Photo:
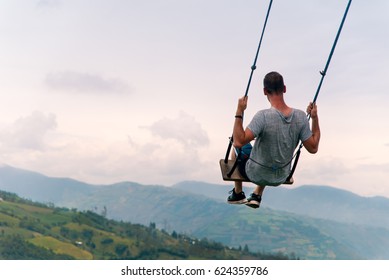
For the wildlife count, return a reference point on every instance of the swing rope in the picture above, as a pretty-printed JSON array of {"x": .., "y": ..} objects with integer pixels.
[
  {"x": 323, "y": 74},
  {"x": 253, "y": 67}
]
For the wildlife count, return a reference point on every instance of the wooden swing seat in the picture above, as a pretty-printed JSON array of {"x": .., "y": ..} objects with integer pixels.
[{"x": 236, "y": 176}]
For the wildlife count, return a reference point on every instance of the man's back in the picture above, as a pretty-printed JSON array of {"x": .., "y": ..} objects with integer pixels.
[{"x": 276, "y": 137}]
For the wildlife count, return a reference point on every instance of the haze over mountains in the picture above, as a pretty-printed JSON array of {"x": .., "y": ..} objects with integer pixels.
[
  {"x": 314, "y": 201},
  {"x": 313, "y": 222}
]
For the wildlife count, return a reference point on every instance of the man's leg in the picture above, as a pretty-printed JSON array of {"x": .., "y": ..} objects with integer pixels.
[
  {"x": 259, "y": 190},
  {"x": 237, "y": 195},
  {"x": 254, "y": 200},
  {"x": 238, "y": 185}
]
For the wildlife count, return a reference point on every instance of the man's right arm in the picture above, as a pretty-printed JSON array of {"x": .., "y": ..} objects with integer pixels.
[{"x": 312, "y": 143}]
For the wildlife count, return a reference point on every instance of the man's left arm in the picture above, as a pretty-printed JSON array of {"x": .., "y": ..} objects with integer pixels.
[{"x": 241, "y": 136}]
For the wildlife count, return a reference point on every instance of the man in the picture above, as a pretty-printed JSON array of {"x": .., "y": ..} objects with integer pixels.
[{"x": 277, "y": 132}]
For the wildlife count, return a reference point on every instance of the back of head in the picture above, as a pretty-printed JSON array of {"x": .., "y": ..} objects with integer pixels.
[{"x": 274, "y": 83}]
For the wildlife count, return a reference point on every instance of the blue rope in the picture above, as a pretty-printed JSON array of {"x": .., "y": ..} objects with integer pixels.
[
  {"x": 253, "y": 67},
  {"x": 323, "y": 74}
]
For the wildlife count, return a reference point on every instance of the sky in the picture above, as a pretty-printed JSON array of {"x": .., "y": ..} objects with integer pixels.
[{"x": 146, "y": 90}]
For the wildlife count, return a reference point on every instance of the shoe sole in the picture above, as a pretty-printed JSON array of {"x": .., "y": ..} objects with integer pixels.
[
  {"x": 253, "y": 204},
  {"x": 243, "y": 201}
]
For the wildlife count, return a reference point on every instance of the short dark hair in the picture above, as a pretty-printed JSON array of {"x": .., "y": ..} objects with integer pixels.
[{"x": 273, "y": 82}]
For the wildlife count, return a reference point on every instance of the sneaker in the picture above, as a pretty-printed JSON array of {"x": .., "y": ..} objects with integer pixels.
[
  {"x": 236, "y": 198},
  {"x": 254, "y": 201}
]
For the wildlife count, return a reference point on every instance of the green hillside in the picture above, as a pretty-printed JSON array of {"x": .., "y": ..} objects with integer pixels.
[
  {"x": 30, "y": 230},
  {"x": 315, "y": 222},
  {"x": 266, "y": 230}
]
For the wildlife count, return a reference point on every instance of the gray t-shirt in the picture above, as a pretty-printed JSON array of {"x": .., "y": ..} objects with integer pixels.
[{"x": 276, "y": 138}]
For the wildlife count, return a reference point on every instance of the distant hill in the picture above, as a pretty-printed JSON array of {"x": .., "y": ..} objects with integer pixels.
[
  {"x": 312, "y": 222},
  {"x": 30, "y": 230},
  {"x": 322, "y": 202},
  {"x": 35, "y": 186}
]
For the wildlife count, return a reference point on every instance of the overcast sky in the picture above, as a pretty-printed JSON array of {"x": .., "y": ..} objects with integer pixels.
[{"x": 146, "y": 90}]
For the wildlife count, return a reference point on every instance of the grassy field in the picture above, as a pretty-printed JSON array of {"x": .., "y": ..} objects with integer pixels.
[{"x": 60, "y": 247}]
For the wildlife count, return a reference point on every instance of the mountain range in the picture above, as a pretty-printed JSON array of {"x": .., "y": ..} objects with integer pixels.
[{"x": 310, "y": 222}]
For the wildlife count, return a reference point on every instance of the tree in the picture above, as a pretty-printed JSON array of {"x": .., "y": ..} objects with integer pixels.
[
  {"x": 246, "y": 248},
  {"x": 104, "y": 212},
  {"x": 120, "y": 249},
  {"x": 87, "y": 234}
]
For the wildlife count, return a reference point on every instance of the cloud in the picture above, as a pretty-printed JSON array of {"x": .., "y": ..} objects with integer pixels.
[
  {"x": 85, "y": 83},
  {"x": 183, "y": 129},
  {"x": 28, "y": 132},
  {"x": 175, "y": 153},
  {"x": 371, "y": 179},
  {"x": 32, "y": 142},
  {"x": 326, "y": 170}
]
